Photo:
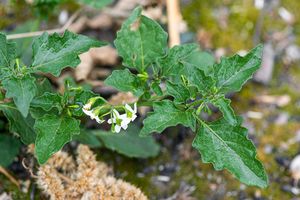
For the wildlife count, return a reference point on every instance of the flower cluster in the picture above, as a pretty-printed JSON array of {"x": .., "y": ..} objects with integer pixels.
[{"x": 117, "y": 120}]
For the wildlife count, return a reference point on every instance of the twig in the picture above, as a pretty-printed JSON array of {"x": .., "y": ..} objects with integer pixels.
[
  {"x": 38, "y": 33},
  {"x": 10, "y": 177},
  {"x": 173, "y": 21}
]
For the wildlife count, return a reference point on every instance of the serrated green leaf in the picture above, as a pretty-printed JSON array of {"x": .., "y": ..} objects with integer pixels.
[
  {"x": 227, "y": 147},
  {"x": 224, "y": 105},
  {"x": 48, "y": 101},
  {"x": 53, "y": 132},
  {"x": 52, "y": 53},
  {"x": 19, "y": 124},
  {"x": 140, "y": 41},
  {"x": 165, "y": 114},
  {"x": 197, "y": 78},
  {"x": 180, "y": 93},
  {"x": 124, "y": 81},
  {"x": 96, "y": 3},
  {"x": 22, "y": 90},
  {"x": 155, "y": 86},
  {"x": 10, "y": 147},
  {"x": 7, "y": 51},
  {"x": 233, "y": 72},
  {"x": 172, "y": 64},
  {"x": 129, "y": 143}
]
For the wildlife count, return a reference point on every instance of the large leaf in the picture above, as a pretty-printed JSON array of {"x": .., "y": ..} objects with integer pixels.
[
  {"x": 7, "y": 51},
  {"x": 19, "y": 124},
  {"x": 53, "y": 132},
  {"x": 96, "y": 3},
  {"x": 227, "y": 147},
  {"x": 129, "y": 143},
  {"x": 53, "y": 53},
  {"x": 165, "y": 114},
  {"x": 22, "y": 90},
  {"x": 47, "y": 101},
  {"x": 124, "y": 80},
  {"x": 10, "y": 147},
  {"x": 140, "y": 41},
  {"x": 172, "y": 64},
  {"x": 88, "y": 138},
  {"x": 233, "y": 72}
]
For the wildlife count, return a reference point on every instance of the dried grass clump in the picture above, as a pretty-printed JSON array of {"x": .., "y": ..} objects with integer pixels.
[{"x": 63, "y": 178}]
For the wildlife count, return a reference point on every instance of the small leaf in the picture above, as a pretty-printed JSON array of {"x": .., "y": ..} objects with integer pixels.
[
  {"x": 224, "y": 105},
  {"x": 124, "y": 81},
  {"x": 233, "y": 72},
  {"x": 140, "y": 41},
  {"x": 129, "y": 143},
  {"x": 165, "y": 114},
  {"x": 22, "y": 90},
  {"x": 53, "y": 53},
  {"x": 53, "y": 132},
  {"x": 201, "y": 60},
  {"x": 197, "y": 78},
  {"x": 96, "y": 3},
  {"x": 10, "y": 147},
  {"x": 180, "y": 93},
  {"x": 19, "y": 124},
  {"x": 172, "y": 64},
  {"x": 156, "y": 88},
  {"x": 227, "y": 147},
  {"x": 7, "y": 51}
]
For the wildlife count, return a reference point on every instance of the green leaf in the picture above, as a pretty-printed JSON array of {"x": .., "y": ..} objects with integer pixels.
[
  {"x": 197, "y": 78},
  {"x": 53, "y": 53},
  {"x": 19, "y": 124},
  {"x": 224, "y": 105},
  {"x": 7, "y": 51},
  {"x": 180, "y": 93},
  {"x": 201, "y": 60},
  {"x": 53, "y": 132},
  {"x": 227, "y": 147},
  {"x": 140, "y": 41},
  {"x": 172, "y": 64},
  {"x": 96, "y": 3},
  {"x": 22, "y": 90},
  {"x": 48, "y": 101},
  {"x": 10, "y": 147},
  {"x": 165, "y": 114},
  {"x": 88, "y": 138},
  {"x": 155, "y": 86},
  {"x": 125, "y": 81},
  {"x": 129, "y": 143},
  {"x": 233, "y": 72},
  {"x": 43, "y": 85}
]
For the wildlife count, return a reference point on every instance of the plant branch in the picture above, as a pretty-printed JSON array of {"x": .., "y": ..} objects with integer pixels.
[
  {"x": 38, "y": 33},
  {"x": 10, "y": 177}
]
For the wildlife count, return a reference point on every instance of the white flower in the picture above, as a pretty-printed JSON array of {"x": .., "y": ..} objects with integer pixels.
[
  {"x": 131, "y": 113},
  {"x": 93, "y": 114},
  {"x": 119, "y": 121}
]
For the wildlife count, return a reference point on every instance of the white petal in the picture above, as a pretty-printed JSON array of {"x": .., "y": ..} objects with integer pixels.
[
  {"x": 135, "y": 108},
  {"x": 112, "y": 120},
  {"x": 87, "y": 112},
  {"x": 117, "y": 128},
  {"x": 133, "y": 117},
  {"x": 124, "y": 126},
  {"x": 129, "y": 108},
  {"x": 99, "y": 121},
  {"x": 116, "y": 113},
  {"x": 87, "y": 106}
]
